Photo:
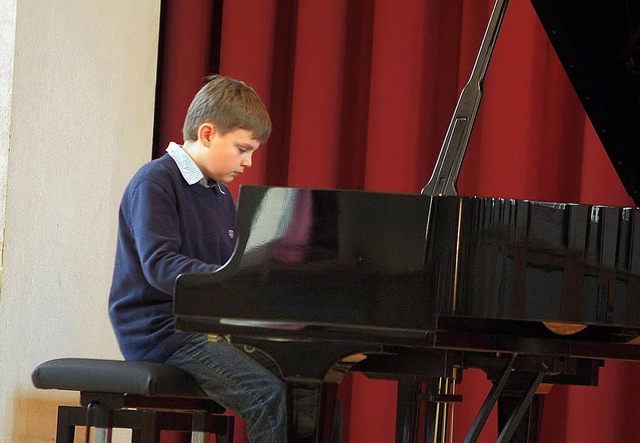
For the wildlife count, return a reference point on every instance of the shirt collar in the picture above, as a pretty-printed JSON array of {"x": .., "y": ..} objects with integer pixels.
[{"x": 188, "y": 168}]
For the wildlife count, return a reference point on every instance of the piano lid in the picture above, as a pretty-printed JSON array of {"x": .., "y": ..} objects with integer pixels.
[{"x": 598, "y": 43}]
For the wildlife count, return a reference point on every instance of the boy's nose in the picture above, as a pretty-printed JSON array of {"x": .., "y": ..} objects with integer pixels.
[{"x": 247, "y": 161}]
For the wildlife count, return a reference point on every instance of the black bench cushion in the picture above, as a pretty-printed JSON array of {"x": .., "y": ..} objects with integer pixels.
[{"x": 115, "y": 376}]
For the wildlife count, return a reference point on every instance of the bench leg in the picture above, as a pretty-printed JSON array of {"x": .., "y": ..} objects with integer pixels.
[
  {"x": 145, "y": 424},
  {"x": 101, "y": 435},
  {"x": 65, "y": 431},
  {"x": 150, "y": 429},
  {"x": 99, "y": 415},
  {"x": 198, "y": 420},
  {"x": 136, "y": 436},
  {"x": 71, "y": 416}
]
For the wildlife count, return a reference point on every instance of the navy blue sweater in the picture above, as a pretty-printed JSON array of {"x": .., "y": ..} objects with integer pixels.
[{"x": 166, "y": 227}]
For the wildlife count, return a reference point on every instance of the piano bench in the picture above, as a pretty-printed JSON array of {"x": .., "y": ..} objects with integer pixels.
[{"x": 144, "y": 397}]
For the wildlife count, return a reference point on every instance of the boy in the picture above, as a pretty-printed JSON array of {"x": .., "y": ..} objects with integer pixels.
[{"x": 176, "y": 216}]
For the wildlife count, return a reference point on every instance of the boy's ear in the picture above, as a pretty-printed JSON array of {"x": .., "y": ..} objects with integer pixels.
[{"x": 206, "y": 131}]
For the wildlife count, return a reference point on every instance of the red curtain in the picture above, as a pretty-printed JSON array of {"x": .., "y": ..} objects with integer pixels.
[{"x": 361, "y": 94}]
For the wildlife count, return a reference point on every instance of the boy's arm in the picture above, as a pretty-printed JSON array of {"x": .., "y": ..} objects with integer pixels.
[{"x": 155, "y": 228}]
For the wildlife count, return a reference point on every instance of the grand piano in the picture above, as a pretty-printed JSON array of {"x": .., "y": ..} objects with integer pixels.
[{"x": 420, "y": 287}]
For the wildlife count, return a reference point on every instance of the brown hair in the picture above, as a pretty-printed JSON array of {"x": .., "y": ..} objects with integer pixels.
[{"x": 229, "y": 104}]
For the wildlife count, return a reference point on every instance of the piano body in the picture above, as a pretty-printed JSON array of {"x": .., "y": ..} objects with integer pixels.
[{"x": 419, "y": 287}]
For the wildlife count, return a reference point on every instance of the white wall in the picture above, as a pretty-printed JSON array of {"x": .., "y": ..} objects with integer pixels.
[
  {"x": 7, "y": 44},
  {"x": 76, "y": 109}
]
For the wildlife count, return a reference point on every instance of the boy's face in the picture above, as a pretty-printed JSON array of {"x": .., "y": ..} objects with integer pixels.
[{"x": 225, "y": 156}]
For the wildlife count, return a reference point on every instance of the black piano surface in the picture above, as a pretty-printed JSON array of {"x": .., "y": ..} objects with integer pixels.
[
  {"x": 374, "y": 268},
  {"x": 426, "y": 283}
]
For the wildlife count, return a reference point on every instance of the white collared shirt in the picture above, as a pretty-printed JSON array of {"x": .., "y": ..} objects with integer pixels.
[{"x": 188, "y": 168}]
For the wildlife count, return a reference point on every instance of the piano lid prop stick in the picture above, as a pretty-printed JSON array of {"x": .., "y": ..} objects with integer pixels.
[{"x": 445, "y": 174}]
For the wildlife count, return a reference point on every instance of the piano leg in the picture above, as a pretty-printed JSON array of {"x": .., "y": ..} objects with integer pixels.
[
  {"x": 423, "y": 405},
  {"x": 535, "y": 418},
  {"x": 314, "y": 412},
  {"x": 489, "y": 402},
  {"x": 330, "y": 414},
  {"x": 408, "y": 411},
  {"x": 439, "y": 400},
  {"x": 520, "y": 410},
  {"x": 528, "y": 430},
  {"x": 527, "y": 385},
  {"x": 424, "y": 410}
]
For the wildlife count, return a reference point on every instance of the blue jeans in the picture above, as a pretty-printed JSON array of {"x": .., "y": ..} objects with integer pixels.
[{"x": 234, "y": 379}]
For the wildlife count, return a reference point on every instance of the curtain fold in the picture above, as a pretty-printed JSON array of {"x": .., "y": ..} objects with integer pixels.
[{"x": 361, "y": 94}]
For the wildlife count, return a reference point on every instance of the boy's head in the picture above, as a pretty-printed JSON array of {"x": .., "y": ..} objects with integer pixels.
[
  {"x": 229, "y": 104},
  {"x": 225, "y": 124}
]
